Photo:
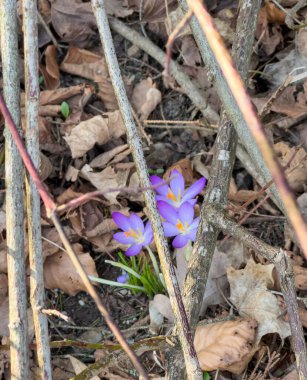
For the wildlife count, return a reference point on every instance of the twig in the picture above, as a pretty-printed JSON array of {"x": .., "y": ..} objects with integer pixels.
[
  {"x": 233, "y": 112},
  {"x": 37, "y": 290},
  {"x": 244, "y": 103},
  {"x": 284, "y": 270},
  {"x": 51, "y": 212},
  {"x": 58, "y": 314},
  {"x": 14, "y": 172},
  {"x": 134, "y": 141},
  {"x": 183, "y": 80},
  {"x": 48, "y": 31}
]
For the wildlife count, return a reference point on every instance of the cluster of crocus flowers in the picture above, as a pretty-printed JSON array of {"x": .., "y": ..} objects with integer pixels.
[{"x": 176, "y": 206}]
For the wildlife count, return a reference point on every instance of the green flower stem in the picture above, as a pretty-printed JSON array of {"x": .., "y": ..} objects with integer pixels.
[
  {"x": 154, "y": 261},
  {"x": 115, "y": 283},
  {"x": 124, "y": 267}
]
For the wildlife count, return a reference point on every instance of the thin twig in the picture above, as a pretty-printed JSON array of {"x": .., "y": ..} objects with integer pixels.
[
  {"x": 187, "y": 86},
  {"x": 284, "y": 270},
  {"x": 14, "y": 172},
  {"x": 51, "y": 212},
  {"x": 37, "y": 289},
  {"x": 246, "y": 107},
  {"x": 184, "y": 333}
]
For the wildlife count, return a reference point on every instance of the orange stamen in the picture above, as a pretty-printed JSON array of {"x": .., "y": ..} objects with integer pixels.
[
  {"x": 131, "y": 232},
  {"x": 171, "y": 196},
  {"x": 179, "y": 225}
]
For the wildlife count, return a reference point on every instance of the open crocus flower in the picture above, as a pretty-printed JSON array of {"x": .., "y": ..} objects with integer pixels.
[
  {"x": 174, "y": 194},
  {"x": 134, "y": 233},
  {"x": 180, "y": 223}
]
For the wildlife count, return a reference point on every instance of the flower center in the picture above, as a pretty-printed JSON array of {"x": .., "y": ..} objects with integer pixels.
[
  {"x": 171, "y": 195},
  {"x": 182, "y": 227},
  {"x": 138, "y": 236}
]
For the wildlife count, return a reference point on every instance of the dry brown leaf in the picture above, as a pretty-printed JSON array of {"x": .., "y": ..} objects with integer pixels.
[
  {"x": 273, "y": 14},
  {"x": 297, "y": 170},
  {"x": 250, "y": 294},
  {"x": 97, "y": 130},
  {"x": 226, "y": 345},
  {"x": 145, "y": 98},
  {"x": 60, "y": 273},
  {"x": 106, "y": 179},
  {"x": 300, "y": 277},
  {"x": 92, "y": 66},
  {"x": 184, "y": 166},
  {"x": 293, "y": 375},
  {"x": 116, "y": 155},
  {"x": 50, "y": 71},
  {"x": 45, "y": 166},
  {"x": 190, "y": 51}
]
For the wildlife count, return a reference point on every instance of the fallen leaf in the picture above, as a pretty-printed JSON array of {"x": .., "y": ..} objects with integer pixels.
[
  {"x": 45, "y": 166},
  {"x": 156, "y": 318},
  {"x": 250, "y": 294},
  {"x": 184, "y": 167},
  {"x": 293, "y": 375},
  {"x": 60, "y": 273},
  {"x": 97, "y": 130},
  {"x": 106, "y": 179},
  {"x": 300, "y": 277},
  {"x": 296, "y": 160},
  {"x": 273, "y": 13},
  {"x": 116, "y": 155},
  {"x": 190, "y": 51},
  {"x": 50, "y": 71},
  {"x": 145, "y": 98},
  {"x": 226, "y": 345},
  {"x": 91, "y": 66}
]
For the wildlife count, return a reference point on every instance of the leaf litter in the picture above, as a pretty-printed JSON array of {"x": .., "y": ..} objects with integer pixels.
[{"x": 86, "y": 149}]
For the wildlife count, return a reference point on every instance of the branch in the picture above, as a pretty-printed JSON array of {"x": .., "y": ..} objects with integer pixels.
[
  {"x": 18, "y": 324},
  {"x": 37, "y": 290},
  {"x": 135, "y": 144}
]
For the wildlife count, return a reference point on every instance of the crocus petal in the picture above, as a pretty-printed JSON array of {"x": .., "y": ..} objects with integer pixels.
[
  {"x": 192, "y": 201},
  {"x": 122, "y": 238},
  {"x": 180, "y": 241},
  {"x": 121, "y": 220},
  {"x": 194, "y": 224},
  {"x": 157, "y": 183},
  {"x": 170, "y": 230},
  {"x": 122, "y": 279},
  {"x": 133, "y": 250},
  {"x": 148, "y": 234},
  {"x": 194, "y": 189},
  {"x": 136, "y": 223},
  {"x": 177, "y": 183},
  {"x": 168, "y": 212},
  {"x": 192, "y": 234},
  {"x": 186, "y": 213}
]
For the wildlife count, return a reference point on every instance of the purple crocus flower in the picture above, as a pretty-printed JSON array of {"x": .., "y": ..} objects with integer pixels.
[
  {"x": 134, "y": 232},
  {"x": 123, "y": 278},
  {"x": 180, "y": 223},
  {"x": 174, "y": 194}
]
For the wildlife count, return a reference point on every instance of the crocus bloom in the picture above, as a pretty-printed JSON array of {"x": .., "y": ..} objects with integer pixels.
[
  {"x": 134, "y": 232},
  {"x": 179, "y": 223},
  {"x": 174, "y": 194},
  {"x": 123, "y": 278}
]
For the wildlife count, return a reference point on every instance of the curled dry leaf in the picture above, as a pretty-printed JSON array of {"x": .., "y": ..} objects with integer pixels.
[
  {"x": 51, "y": 71},
  {"x": 250, "y": 294},
  {"x": 91, "y": 66},
  {"x": 60, "y": 273},
  {"x": 78, "y": 366},
  {"x": 226, "y": 345},
  {"x": 184, "y": 166},
  {"x": 112, "y": 156},
  {"x": 296, "y": 159},
  {"x": 145, "y": 98},
  {"x": 97, "y": 130}
]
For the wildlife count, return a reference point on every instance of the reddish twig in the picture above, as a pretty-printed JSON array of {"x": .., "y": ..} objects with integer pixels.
[
  {"x": 51, "y": 211},
  {"x": 244, "y": 103}
]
